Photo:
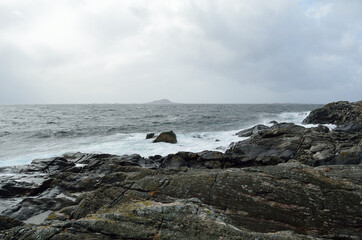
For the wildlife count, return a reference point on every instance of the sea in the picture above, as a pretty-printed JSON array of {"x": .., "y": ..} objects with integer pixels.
[{"x": 29, "y": 132}]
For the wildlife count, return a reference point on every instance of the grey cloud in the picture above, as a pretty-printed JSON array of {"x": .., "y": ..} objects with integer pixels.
[{"x": 188, "y": 51}]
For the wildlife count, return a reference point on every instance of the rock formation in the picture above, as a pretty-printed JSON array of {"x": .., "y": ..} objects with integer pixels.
[
  {"x": 347, "y": 116},
  {"x": 167, "y": 137},
  {"x": 284, "y": 182}
]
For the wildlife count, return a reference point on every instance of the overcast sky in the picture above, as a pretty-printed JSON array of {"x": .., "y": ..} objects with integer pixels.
[{"x": 189, "y": 51}]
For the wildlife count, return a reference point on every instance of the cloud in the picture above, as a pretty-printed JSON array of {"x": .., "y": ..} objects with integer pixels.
[{"x": 89, "y": 51}]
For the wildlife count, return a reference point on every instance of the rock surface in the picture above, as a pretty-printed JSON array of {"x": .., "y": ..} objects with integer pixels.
[
  {"x": 348, "y": 116},
  {"x": 284, "y": 182},
  {"x": 167, "y": 137},
  {"x": 150, "y": 135},
  {"x": 286, "y": 141},
  {"x": 7, "y": 223},
  {"x": 250, "y": 131}
]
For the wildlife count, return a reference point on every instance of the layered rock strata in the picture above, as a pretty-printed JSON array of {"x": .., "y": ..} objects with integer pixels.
[{"x": 284, "y": 182}]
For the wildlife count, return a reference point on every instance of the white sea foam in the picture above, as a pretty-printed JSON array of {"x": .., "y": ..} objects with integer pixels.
[
  {"x": 293, "y": 117},
  {"x": 129, "y": 144}
]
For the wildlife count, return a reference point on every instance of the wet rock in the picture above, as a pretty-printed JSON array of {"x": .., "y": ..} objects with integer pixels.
[
  {"x": 150, "y": 135},
  {"x": 349, "y": 156},
  {"x": 173, "y": 161},
  {"x": 321, "y": 128},
  {"x": 13, "y": 188},
  {"x": 52, "y": 164},
  {"x": 269, "y": 198},
  {"x": 270, "y": 186},
  {"x": 180, "y": 219},
  {"x": 167, "y": 137},
  {"x": 150, "y": 220},
  {"x": 285, "y": 141},
  {"x": 8, "y": 222},
  {"x": 250, "y": 131},
  {"x": 132, "y": 201},
  {"x": 354, "y": 126},
  {"x": 31, "y": 207},
  {"x": 29, "y": 232},
  {"x": 346, "y": 115}
]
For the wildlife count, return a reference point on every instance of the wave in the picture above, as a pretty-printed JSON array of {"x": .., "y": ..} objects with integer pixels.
[
  {"x": 55, "y": 134},
  {"x": 5, "y": 133},
  {"x": 121, "y": 143},
  {"x": 123, "y": 129},
  {"x": 293, "y": 117}
]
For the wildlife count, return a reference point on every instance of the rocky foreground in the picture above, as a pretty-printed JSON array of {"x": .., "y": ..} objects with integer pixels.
[{"x": 284, "y": 182}]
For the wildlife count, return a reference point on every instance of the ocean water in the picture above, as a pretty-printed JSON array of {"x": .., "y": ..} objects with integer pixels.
[{"x": 29, "y": 132}]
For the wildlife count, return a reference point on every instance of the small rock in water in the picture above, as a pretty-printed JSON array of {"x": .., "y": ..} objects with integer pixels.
[
  {"x": 167, "y": 137},
  {"x": 150, "y": 135}
]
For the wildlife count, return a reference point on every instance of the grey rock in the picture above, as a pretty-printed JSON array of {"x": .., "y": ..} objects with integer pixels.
[
  {"x": 270, "y": 186},
  {"x": 8, "y": 222},
  {"x": 347, "y": 116},
  {"x": 167, "y": 137},
  {"x": 150, "y": 135},
  {"x": 286, "y": 141},
  {"x": 250, "y": 131},
  {"x": 129, "y": 201},
  {"x": 173, "y": 161}
]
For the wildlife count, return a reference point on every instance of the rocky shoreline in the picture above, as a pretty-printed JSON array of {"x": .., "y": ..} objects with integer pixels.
[{"x": 284, "y": 182}]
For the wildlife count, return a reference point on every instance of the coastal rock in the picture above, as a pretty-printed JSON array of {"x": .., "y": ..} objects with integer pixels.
[
  {"x": 180, "y": 219},
  {"x": 150, "y": 135},
  {"x": 270, "y": 186},
  {"x": 144, "y": 202},
  {"x": 201, "y": 160},
  {"x": 173, "y": 161},
  {"x": 250, "y": 131},
  {"x": 152, "y": 220},
  {"x": 347, "y": 116},
  {"x": 167, "y": 137},
  {"x": 7, "y": 223},
  {"x": 52, "y": 164},
  {"x": 286, "y": 141}
]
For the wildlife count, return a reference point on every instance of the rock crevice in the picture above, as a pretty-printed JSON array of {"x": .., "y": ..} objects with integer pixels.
[{"x": 283, "y": 182}]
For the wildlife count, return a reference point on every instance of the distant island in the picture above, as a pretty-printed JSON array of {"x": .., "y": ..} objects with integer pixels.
[{"x": 161, "y": 102}]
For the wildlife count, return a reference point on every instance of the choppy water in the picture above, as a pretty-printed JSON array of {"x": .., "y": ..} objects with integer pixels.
[{"x": 38, "y": 131}]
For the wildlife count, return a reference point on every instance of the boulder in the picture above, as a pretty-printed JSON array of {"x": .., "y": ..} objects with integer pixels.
[
  {"x": 167, "y": 137},
  {"x": 150, "y": 135}
]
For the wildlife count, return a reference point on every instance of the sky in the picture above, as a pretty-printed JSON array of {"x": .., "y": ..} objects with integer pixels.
[{"x": 188, "y": 51}]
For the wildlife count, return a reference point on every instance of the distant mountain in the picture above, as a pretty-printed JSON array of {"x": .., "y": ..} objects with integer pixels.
[{"x": 162, "y": 102}]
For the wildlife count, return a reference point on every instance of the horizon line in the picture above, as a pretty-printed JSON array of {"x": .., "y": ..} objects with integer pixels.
[{"x": 149, "y": 103}]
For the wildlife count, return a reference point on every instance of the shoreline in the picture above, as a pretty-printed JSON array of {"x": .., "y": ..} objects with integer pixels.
[
  {"x": 221, "y": 148},
  {"x": 285, "y": 181}
]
